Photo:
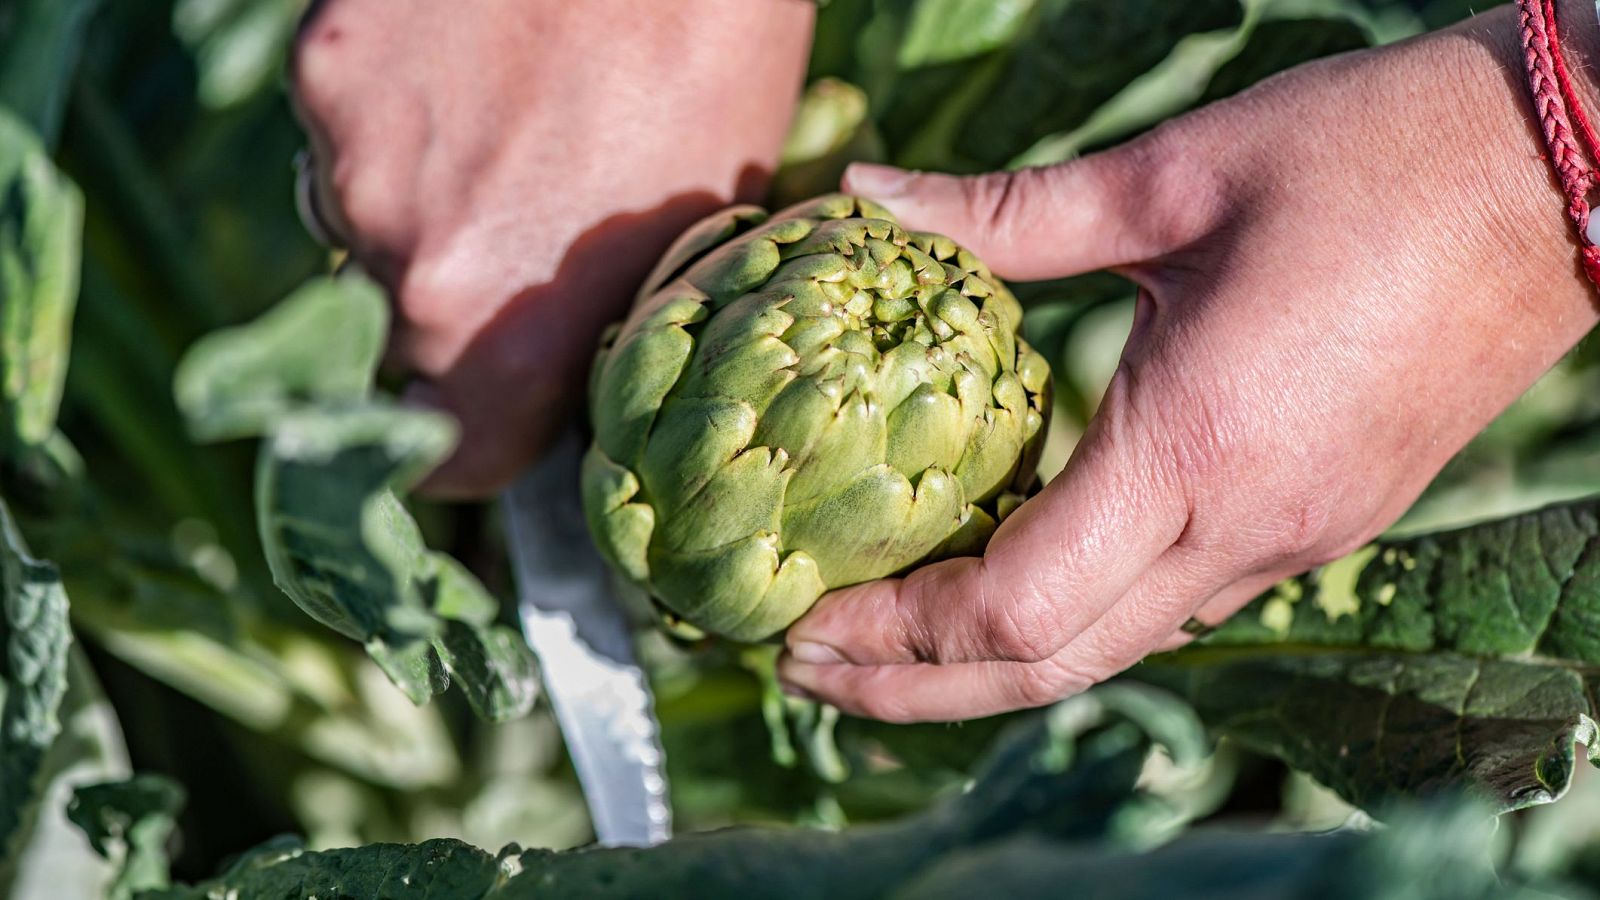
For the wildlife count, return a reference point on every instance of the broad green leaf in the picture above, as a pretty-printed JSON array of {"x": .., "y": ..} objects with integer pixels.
[
  {"x": 320, "y": 345},
  {"x": 1444, "y": 853},
  {"x": 1276, "y": 35},
  {"x": 1379, "y": 727},
  {"x": 341, "y": 544},
  {"x": 129, "y": 823},
  {"x": 1072, "y": 56},
  {"x": 1067, "y": 775},
  {"x": 40, "y": 42},
  {"x": 331, "y": 469},
  {"x": 440, "y": 869},
  {"x": 170, "y": 608},
  {"x": 34, "y": 637},
  {"x": 1526, "y": 587},
  {"x": 338, "y": 540},
  {"x": 1459, "y": 660},
  {"x": 1048, "y": 817},
  {"x": 1279, "y": 44},
  {"x": 1167, "y": 89},
  {"x": 41, "y": 220}
]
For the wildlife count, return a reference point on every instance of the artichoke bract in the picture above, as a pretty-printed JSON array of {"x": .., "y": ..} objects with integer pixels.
[{"x": 803, "y": 402}]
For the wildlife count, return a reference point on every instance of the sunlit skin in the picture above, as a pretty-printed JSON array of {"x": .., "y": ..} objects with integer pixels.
[
  {"x": 510, "y": 170},
  {"x": 1347, "y": 271}
]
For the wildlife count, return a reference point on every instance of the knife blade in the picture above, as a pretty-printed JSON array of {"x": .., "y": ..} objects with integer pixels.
[{"x": 582, "y": 638}]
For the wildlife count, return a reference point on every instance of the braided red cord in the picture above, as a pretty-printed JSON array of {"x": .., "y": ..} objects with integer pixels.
[
  {"x": 1555, "y": 102},
  {"x": 1558, "y": 62}
]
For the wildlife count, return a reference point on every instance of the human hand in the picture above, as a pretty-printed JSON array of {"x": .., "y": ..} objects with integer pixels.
[
  {"x": 1345, "y": 274},
  {"x": 510, "y": 170}
]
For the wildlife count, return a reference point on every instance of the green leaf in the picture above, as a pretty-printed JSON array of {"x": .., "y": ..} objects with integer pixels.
[
  {"x": 1070, "y": 58},
  {"x": 1067, "y": 775},
  {"x": 338, "y": 540},
  {"x": 1045, "y": 819},
  {"x": 320, "y": 345},
  {"x": 492, "y": 665},
  {"x": 436, "y": 870},
  {"x": 40, "y": 42},
  {"x": 1445, "y": 853},
  {"x": 1279, "y": 44},
  {"x": 341, "y": 544},
  {"x": 329, "y": 477},
  {"x": 129, "y": 822},
  {"x": 1460, "y": 660},
  {"x": 41, "y": 221},
  {"x": 34, "y": 638},
  {"x": 1380, "y": 727}
]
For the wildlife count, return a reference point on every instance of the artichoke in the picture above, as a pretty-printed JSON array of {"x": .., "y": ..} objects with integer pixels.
[{"x": 803, "y": 402}]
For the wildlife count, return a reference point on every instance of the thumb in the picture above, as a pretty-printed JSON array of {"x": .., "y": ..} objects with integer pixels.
[{"x": 1028, "y": 224}]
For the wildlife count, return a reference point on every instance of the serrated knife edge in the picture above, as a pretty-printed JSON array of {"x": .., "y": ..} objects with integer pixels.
[{"x": 582, "y": 640}]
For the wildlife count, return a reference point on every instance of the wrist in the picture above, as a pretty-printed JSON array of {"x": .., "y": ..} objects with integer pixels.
[{"x": 1492, "y": 137}]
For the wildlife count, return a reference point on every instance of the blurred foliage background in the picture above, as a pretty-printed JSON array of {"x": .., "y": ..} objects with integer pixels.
[{"x": 172, "y": 118}]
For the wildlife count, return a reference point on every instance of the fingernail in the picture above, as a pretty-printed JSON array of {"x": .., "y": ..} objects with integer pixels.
[
  {"x": 816, "y": 654},
  {"x": 878, "y": 182},
  {"x": 796, "y": 691}
]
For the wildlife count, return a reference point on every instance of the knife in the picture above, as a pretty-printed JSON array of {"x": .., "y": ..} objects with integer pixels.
[{"x": 582, "y": 638}]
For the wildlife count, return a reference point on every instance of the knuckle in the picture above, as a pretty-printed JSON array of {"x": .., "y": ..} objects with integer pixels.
[
  {"x": 1010, "y": 622},
  {"x": 365, "y": 193},
  {"x": 1045, "y": 683},
  {"x": 991, "y": 201},
  {"x": 981, "y": 622},
  {"x": 1177, "y": 195},
  {"x": 321, "y": 51},
  {"x": 928, "y": 588},
  {"x": 1021, "y": 631}
]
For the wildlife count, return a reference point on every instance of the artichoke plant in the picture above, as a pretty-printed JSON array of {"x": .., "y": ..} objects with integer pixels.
[{"x": 803, "y": 402}]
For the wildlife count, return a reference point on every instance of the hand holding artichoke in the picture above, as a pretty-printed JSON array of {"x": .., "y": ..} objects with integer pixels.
[{"x": 804, "y": 402}]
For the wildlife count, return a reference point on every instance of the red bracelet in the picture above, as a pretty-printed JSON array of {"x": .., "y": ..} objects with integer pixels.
[{"x": 1556, "y": 104}]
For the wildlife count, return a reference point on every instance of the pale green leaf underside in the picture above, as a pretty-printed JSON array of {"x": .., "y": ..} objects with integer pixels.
[
  {"x": 341, "y": 544},
  {"x": 320, "y": 345},
  {"x": 332, "y": 467}
]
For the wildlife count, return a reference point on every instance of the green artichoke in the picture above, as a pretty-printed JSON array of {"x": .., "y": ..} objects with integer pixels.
[{"x": 804, "y": 402}]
